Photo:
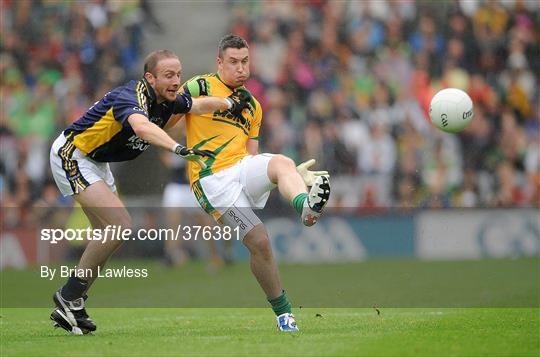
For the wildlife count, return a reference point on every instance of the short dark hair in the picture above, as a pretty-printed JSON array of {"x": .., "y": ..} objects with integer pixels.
[
  {"x": 231, "y": 41},
  {"x": 153, "y": 58}
]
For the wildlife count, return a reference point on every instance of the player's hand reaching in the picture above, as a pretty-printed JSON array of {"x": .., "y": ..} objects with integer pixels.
[
  {"x": 239, "y": 100},
  {"x": 193, "y": 154},
  {"x": 309, "y": 176}
]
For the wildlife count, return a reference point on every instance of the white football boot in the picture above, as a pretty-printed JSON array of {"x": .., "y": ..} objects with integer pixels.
[{"x": 316, "y": 200}]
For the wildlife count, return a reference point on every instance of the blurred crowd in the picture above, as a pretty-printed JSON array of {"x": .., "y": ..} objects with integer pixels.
[
  {"x": 345, "y": 82},
  {"x": 57, "y": 57},
  {"x": 349, "y": 83}
]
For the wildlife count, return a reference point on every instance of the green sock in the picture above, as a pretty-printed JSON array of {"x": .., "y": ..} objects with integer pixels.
[
  {"x": 298, "y": 202},
  {"x": 281, "y": 304}
]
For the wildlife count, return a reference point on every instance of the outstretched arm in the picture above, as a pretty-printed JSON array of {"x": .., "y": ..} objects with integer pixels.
[
  {"x": 204, "y": 105},
  {"x": 185, "y": 103},
  {"x": 152, "y": 133}
]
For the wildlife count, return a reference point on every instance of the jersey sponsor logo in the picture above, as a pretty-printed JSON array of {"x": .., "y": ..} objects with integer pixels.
[
  {"x": 136, "y": 143},
  {"x": 229, "y": 118}
]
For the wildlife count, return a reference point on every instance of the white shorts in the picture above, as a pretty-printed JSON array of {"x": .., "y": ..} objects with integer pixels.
[
  {"x": 178, "y": 195},
  {"x": 243, "y": 186},
  {"x": 73, "y": 172}
]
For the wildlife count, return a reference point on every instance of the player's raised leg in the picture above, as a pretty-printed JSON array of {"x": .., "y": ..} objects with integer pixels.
[{"x": 282, "y": 172}]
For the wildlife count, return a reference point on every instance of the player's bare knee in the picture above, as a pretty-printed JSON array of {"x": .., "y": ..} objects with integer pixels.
[
  {"x": 121, "y": 219},
  {"x": 284, "y": 162},
  {"x": 125, "y": 223},
  {"x": 262, "y": 248},
  {"x": 114, "y": 244},
  {"x": 279, "y": 165},
  {"x": 258, "y": 242}
]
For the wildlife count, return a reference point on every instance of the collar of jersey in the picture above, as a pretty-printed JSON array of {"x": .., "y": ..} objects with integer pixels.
[
  {"x": 150, "y": 93},
  {"x": 228, "y": 86}
]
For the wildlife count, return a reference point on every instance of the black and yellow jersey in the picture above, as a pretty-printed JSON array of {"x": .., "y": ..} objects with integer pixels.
[
  {"x": 220, "y": 131},
  {"x": 104, "y": 134}
]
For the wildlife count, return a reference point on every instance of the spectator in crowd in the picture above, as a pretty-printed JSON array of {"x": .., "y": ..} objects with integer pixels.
[
  {"x": 359, "y": 77},
  {"x": 55, "y": 60}
]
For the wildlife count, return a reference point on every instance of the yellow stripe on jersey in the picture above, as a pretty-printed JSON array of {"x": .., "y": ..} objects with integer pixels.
[
  {"x": 219, "y": 131},
  {"x": 98, "y": 134},
  {"x": 138, "y": 95},
  {"x": 141, "y": 98}
]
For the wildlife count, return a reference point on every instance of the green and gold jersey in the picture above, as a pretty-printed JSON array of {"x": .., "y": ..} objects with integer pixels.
[{"x": 220, "y": 131}]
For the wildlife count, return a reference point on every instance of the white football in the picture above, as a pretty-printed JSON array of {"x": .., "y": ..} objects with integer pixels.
[{"x": 451, "y": 110}]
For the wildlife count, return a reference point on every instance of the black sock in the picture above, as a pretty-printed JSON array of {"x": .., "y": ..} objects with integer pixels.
[{"x": 74, "y": 288}]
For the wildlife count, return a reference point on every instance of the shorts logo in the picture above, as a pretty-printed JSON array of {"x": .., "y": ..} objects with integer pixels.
[{"x": 237, "y": 220}]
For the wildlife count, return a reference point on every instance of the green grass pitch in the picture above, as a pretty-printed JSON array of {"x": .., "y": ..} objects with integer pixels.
[
  {"x": 250, "y": 332},
  {"x": 488, "y": 307}
]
